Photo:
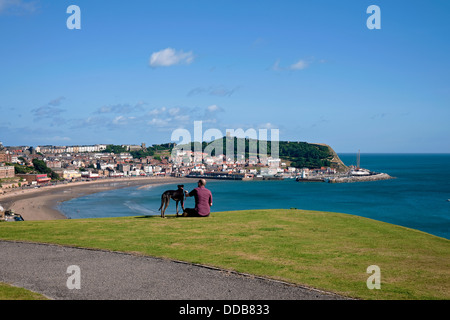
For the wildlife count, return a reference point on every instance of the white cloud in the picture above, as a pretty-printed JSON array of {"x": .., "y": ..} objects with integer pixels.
[
  {"x": 46, "y": 111},
  {"x": 174, "y": 111},
  {"x": 122, "y": 120},
  {"x": 160, "y": 118},
  {"x": 267, "y": 125},
  {"x": 156, "y": 111},
  {"x": 182, "y": 118},
  {"x": 157, "y": 122},
  {"x": 276, "y": 66},
  {"x": 119, "y": 120},
  {"x": 17, "y": 6},
  {"x": 213, "y": 108},
  {"x": 49, "y": 110},
  {"x": 299, "y": 65},
  {"x": 57, "y": 101},
  {"x": 214, "y": 91},
  {"x": 169, "y": 57},
  {"x": 211, "y": 113},
  {"x": 121, "y": 108}
]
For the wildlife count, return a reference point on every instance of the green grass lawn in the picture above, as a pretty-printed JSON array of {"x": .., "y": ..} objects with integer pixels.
[
  {"x": 324, "y": 250},
  {"x": 8, "y": 292}
]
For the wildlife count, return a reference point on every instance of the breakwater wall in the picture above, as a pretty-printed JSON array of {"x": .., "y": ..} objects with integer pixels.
[{"x": 374, "y": 177}]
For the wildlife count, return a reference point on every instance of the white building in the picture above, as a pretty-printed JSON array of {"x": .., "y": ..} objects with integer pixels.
[
  {"x": 71, "y": 174},
  {"x": 147, "y": 169},
  {"x": 273, "y": 162},
  {"x": 269, "y": 171},
  {"x": 88, "y": 174}
]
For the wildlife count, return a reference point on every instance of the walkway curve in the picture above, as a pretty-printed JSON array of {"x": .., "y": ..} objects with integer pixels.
[{"x": 106, "y": 275}]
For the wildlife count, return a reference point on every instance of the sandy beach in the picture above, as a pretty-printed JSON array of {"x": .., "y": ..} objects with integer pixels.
[{"x": 41, "y": 203}]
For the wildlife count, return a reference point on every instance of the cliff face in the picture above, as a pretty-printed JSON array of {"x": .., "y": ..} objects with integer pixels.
[{"x": 336, "y": 162}]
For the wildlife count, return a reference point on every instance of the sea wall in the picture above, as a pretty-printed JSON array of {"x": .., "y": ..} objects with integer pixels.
[{"x": 375, "y": 177}]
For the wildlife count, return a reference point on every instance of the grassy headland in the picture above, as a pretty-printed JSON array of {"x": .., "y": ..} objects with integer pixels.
[
  {"x": 297, "y": 154},
  {"x": 329, "y": 251}
]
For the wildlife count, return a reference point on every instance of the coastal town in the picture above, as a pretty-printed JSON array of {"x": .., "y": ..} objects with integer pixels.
[{"x": 64, "y": 164}]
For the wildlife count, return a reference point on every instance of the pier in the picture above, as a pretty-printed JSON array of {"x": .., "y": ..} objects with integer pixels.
[
  {"x": 347, "y": 178},
  {"x": 372, "y": 177}
]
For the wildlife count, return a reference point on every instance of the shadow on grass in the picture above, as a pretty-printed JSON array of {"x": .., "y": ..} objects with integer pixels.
[
  {"x": 158, "y": 216},
  {"x": 167, "y": 217}
]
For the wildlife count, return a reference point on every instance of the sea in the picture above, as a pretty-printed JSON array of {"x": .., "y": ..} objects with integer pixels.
[{"x": 417, "y": 198}]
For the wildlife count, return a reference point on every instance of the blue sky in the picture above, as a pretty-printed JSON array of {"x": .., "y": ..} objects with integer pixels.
[{"x": 138, "y": 70}]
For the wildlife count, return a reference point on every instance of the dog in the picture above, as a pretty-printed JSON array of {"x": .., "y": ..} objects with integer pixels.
[{"x": 178, "y": 195}]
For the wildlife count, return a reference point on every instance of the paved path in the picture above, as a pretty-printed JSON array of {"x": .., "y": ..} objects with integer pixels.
[{"x": 111, "y": 275}]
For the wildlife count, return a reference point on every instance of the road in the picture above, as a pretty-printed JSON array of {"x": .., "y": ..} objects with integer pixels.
[{"x": 105, "y": 275}]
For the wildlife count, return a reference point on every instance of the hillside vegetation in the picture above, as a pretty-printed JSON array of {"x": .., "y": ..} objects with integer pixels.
[{"x": 298, "y": 154}]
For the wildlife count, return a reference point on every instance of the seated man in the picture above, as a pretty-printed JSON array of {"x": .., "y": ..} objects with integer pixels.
[{"x": 203, "y": 201}]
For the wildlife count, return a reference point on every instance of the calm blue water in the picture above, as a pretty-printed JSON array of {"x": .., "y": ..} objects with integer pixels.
[{"x": 416, "y": 199}]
